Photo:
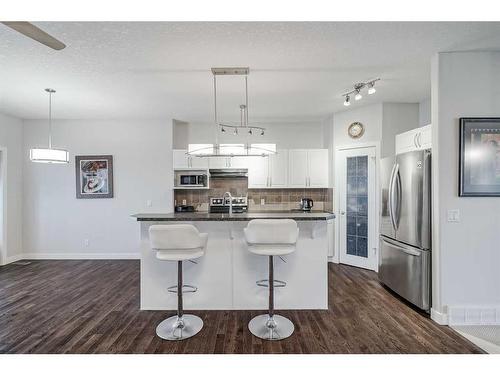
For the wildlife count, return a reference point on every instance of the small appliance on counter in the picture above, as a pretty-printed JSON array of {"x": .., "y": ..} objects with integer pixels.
[
  {"x": 306, "y": 204},
  {"x": 221, "y": 205},
  {"x": 184, "y": 208}
]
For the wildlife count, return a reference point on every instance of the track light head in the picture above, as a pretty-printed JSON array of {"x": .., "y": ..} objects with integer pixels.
[
  {"x": 262, "y": 132},
  {"x": 371, "y": 88},
  {"x": 235, "y": 131},
  {"x": 358, "y": 95},
  {"x": 222, "y": 130},
  {"x": 347, "y": 101},
  {"x": 250, "y": 132}
]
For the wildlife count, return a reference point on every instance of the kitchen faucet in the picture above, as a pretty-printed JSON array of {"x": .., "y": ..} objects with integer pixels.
[{"x": 227, "y": 193}]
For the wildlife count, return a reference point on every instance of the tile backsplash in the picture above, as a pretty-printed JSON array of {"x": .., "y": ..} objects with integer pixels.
[{"x": 273, "y": 199}]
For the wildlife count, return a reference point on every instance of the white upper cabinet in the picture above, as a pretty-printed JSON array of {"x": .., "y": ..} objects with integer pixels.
[
  {"x": 218, "y": 163},
  {"x": 416, "y": 139},
  {"x": 238, "y": 162},
  {"x": 318, "y": 168},
  {"x": 268, "y": 172},
  {"x": 183, "y": 161},
  {"x": 278, "y": 169},
  {"x": 308, "y": 168},
  {"x": 258, "y": 172},
  {"x": 297, "y": 168}
]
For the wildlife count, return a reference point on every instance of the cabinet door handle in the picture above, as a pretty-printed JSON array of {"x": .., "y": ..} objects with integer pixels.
[
  {"x": 419, "y": 139},
  {"x": 415, "y": 140}
]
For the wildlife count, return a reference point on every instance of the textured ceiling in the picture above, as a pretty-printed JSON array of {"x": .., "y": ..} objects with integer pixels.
[{"x": 162, "y": 70}]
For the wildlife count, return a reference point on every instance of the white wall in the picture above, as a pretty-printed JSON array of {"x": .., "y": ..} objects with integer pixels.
[
  {"x": 467, "y": 253},
  {"x": 424, "y": 112},
  {"x": 396, "y": 118},
  {"x": 11, "y": 139},
  {"x": 304, "y": 134},
  {"x": 56, "y": 223}
]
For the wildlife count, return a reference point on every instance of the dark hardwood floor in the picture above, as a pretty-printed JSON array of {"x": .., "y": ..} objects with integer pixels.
[{"x": 92, "y": 306}]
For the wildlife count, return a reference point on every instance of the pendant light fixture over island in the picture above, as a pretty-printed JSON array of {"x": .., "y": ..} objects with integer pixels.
[
  {"x": 243, "y": 128},
  {"x": 49, "y": 155}
]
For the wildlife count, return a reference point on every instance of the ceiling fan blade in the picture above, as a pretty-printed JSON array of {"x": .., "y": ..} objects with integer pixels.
[{"x": 33, "y": 32}]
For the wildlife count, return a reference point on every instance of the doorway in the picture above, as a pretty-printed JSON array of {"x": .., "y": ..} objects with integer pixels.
[{"x": 357, "y": 207}]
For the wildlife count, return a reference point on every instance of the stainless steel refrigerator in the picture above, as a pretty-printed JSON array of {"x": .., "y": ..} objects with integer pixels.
[{"x": 405, "y": 226}]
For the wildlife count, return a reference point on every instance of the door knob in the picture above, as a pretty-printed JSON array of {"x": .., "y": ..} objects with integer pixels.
[{"x": 342, "y": 213}]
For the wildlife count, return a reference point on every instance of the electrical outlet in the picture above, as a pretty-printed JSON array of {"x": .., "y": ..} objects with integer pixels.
[
  {"x": 183, "y": 202},
  {"x": 454, "y": 216},
  {"x": 149, "y": 203},
  {"x": 262, "y": 201},
  {"x": 86, "y": 242}
]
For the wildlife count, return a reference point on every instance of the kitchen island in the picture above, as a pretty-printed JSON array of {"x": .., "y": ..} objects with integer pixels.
[{"x": 225, "y": 276}]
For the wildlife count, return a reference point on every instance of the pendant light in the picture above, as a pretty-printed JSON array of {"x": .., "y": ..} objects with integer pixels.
[
  {"x": 242, "y": 129},
  {"x": 49, "y": 155}
]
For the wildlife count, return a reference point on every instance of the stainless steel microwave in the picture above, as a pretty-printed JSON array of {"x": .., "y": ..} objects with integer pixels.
[{"x": 192, "y": 180}]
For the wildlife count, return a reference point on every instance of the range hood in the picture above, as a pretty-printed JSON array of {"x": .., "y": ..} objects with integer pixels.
[{"x": 228, "y": 173}]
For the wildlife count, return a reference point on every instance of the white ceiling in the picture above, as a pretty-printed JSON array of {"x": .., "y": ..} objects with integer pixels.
[{"x": 162, "y": 70}]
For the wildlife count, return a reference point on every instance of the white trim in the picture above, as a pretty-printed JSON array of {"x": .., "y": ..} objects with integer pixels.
[
  {"x": 3, "y": 241},
  {"x": 439, "y": 317},
  {"x": 13, "y": 258},
  {"x": 78, "y": 256},
  {"x": 473, "y": 315}
]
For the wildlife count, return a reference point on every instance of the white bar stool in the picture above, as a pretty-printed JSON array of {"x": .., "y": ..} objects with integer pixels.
[
  {"x": 178, "y": 242},
  {"x": 271, "y": 237}
]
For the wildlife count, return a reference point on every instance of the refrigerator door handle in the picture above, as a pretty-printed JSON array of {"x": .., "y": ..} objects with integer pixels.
[
  {"x": 399, "y": 195},
  {"x": 403, "y": 249},
  {"x": 390, "y": 201}
]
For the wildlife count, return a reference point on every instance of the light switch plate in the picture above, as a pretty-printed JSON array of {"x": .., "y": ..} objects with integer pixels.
[
  {"x": 454, "y": 216},
  {"x": 149, "y": 203},
  {"x": 262, "y": 201}
]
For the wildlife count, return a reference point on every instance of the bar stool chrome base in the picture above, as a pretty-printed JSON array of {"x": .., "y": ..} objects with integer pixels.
[
  {"x": 176, "y": 329},
  {"x": 272, "y": 328}
]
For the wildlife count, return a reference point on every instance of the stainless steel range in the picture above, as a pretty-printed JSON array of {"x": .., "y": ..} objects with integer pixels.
[{"x": 221, "y": 205}]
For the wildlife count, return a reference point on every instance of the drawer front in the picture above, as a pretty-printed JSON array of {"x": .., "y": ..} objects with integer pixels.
[{"x": 406, "y": 270}]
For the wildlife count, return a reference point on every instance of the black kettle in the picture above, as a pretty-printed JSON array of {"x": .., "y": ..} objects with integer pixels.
[{"x": 306, "y": 204}]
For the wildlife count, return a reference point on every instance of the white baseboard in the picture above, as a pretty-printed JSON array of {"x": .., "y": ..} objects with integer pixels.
[
  {"x": 439, "y": 317},
  {"x": 78, "y": 256},
  {"x": 473, "y": 315},
  {"x": 13, "y": 258}
]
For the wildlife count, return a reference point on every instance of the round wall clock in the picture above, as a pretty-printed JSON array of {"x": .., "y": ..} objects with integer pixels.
[{"x": 356, "y": 130}]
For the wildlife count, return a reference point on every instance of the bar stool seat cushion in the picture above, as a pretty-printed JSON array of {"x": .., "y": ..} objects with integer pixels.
[
  {"x": 177, "y": 242},
  {"x": 176, "y": 255},
  {"x": 271, "y": 236},
  {"x": 269, "y": 249}
]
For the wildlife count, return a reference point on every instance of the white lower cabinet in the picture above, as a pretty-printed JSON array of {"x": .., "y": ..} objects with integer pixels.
[{"x": 415, "y": 139}]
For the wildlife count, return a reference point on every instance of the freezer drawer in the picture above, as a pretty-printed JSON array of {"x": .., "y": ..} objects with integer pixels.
[{"x": 405, "y": 270}]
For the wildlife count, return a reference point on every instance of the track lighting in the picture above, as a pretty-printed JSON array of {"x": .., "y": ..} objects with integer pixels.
[{"x": 356, "y": 91}]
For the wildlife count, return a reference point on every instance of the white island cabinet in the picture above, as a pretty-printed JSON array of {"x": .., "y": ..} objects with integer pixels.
[{"x": 225, "y": 276}]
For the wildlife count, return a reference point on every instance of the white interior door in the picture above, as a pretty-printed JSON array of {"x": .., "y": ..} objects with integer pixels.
[
  {"x": 357, "y": 207},
  {"x": 3, "y": 201}
]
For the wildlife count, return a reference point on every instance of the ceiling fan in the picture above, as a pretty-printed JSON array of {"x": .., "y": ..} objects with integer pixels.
[{"x": 35, "y": 33}]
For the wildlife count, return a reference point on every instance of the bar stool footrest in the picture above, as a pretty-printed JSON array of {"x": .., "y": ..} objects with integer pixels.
[
  {"x": 265, "y": 283},
  {"x": 185, "y": 289}
]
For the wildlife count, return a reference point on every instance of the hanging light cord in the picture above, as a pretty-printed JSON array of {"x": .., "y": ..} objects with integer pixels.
[{"x": 50, "y": 119}]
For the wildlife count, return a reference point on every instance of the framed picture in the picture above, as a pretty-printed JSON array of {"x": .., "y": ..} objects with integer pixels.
[
  {"x": 94, "y": 176},
  {"x": 479, "y": 174}
]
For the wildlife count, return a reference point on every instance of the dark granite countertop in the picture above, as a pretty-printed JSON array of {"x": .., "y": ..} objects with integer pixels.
[{"x": 204, "y": 216}]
